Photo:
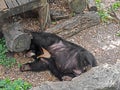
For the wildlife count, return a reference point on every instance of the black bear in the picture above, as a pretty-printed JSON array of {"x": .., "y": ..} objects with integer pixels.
[
  {"x": 1, "y": 34},
  {"x": 64, "y": 59}
]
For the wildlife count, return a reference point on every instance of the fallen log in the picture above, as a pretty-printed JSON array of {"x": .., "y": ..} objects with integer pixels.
[
  {"x": 16, "y": 40},
  {"x": 76, "y": 24}
]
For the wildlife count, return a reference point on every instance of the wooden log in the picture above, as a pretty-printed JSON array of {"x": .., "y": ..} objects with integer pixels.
[
  {"x": 44, "y": 15},
  {"x": 20, "y": 9},
  {"x": 76, "y": 24},
  {"x": 19, "y": 6},
  {"x": 16, "y": 40}
]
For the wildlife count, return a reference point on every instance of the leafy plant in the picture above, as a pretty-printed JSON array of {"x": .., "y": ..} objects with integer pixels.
[
  {"x": 116, "y": 5},
  {"x": 4, "y": 60},
  {"x": 19, "y": 84},
  {"x": 105, "y": 13}
]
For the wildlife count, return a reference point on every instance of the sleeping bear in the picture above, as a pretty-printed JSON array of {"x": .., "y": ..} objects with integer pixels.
[{"x": 64, "y": 59}]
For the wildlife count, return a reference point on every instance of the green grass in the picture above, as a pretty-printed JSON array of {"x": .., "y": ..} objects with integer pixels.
[
  {"x": 4, "y": 60},
  {"x": 7, "y": 84},
  {"x": 19, "y": 84}
]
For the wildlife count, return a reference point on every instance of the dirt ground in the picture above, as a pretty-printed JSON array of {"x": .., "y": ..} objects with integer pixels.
[{"x": 101, "y": 40}]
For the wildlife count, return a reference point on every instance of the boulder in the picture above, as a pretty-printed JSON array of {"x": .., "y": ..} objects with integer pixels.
[{"x": 102, "y": 77}]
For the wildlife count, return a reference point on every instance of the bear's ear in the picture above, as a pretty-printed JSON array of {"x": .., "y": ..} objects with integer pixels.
[{"x": 45, "y": 54}]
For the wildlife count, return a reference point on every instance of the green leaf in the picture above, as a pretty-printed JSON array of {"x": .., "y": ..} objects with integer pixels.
[{"x": 18, "y": 84}]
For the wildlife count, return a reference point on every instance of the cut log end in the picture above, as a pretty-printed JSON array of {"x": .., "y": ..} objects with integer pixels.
[
  {"x": 16, "y": 40},
  {"x": 21, "y": 43}
]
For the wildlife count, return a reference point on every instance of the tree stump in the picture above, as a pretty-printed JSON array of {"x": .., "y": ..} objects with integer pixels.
[
  {"x": 77, "y": 6},
  {"x": 16, "y": 40}
]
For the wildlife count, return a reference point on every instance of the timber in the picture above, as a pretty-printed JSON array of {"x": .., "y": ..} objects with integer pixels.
[
  {"x": 16, "y": 39},
  {"x": 13, "y": 7},
  {"x": 75, "y": 24}
]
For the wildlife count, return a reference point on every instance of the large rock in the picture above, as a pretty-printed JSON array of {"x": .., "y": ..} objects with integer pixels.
[{"x": 103, "y": 77}]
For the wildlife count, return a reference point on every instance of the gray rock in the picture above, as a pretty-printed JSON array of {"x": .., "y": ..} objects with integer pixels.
[{"x": 102, "y": 77}]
